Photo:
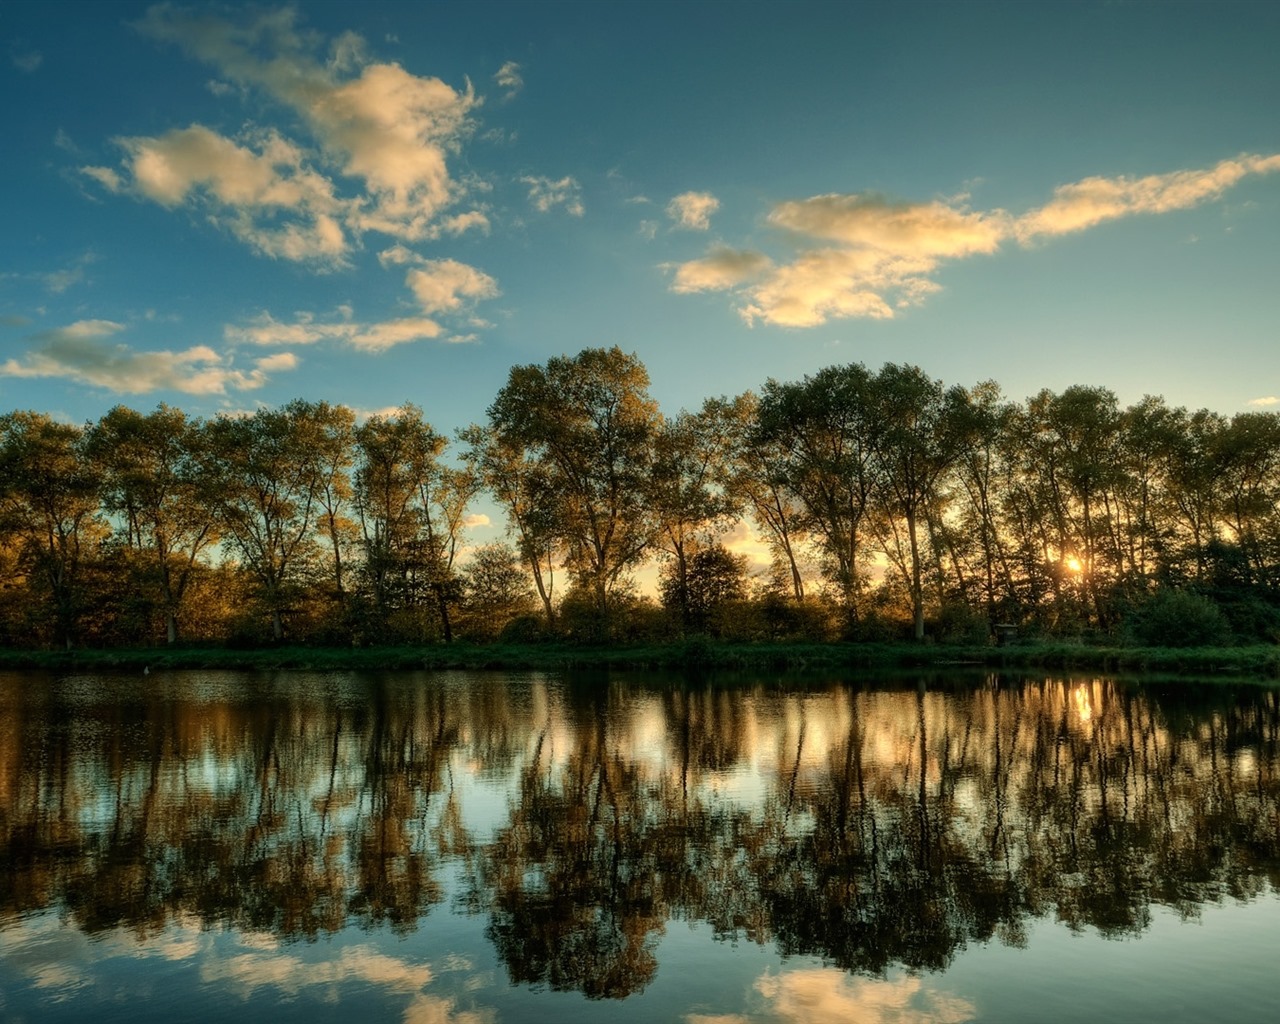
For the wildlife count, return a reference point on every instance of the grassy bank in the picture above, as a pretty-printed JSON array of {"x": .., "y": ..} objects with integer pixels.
[{"x": 1258, "y": 661}]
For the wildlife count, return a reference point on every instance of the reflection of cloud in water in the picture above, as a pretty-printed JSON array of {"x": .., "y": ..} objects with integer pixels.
[
  {"x": 825, "y": 995},
  {"x": 63, "y": 963},
  {"x": 427, "y": 1009},
  {"x": 290, "y": 974}
]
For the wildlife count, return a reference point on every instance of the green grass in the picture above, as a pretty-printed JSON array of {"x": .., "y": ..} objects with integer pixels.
[{"x": 1261, "y": 661}]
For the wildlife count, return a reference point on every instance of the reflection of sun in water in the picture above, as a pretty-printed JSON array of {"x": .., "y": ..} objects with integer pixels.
[
  {"x": 1083, "y": 708},
  {"x": 1073, "y": 564}
]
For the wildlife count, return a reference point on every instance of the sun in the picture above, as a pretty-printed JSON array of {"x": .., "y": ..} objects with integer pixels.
[{"x": 1073, "y": 564}]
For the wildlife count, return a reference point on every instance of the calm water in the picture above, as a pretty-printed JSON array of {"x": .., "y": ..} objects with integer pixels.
[{"x": 484, "y": 848}]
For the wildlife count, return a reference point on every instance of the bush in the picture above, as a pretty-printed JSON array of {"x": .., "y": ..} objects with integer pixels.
[
  {"x": 1180, "y": 618},
  {"x": 958, "y": 624}
]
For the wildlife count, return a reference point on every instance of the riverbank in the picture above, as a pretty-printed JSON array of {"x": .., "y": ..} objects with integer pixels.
[{"x": 1259, "y": 661}]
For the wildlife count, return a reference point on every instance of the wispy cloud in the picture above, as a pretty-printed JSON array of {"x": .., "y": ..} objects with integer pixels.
[
  {"x": 1083, "y": 204},
  {"x": 865, "y": 255},
  {"x": 693, "y": 210},
  {"x": 545, "y": 194},
  {"x": 306, "y": 329},
  {"x": 1264, "y": 402},
  {"x": 80, "y": 352},
  {"x": 58, "y": 281},
  {"x": 509, "y": 78},
  {"x": 25, "y": 59},
  {"x": 441, "y": 288}
]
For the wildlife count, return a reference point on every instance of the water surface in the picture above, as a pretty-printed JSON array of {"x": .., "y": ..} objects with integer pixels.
[{"x": 475, "y": 848}]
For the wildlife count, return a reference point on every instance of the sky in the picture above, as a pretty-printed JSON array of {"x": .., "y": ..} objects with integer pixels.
[{"x": 223, "y": 207}]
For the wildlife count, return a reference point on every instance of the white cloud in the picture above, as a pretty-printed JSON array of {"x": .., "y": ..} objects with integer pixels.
[
  {"x": 248, "y": 189},
  {"x": 381, "y": 336},
  {"x": 306, "y": 330},
  {"x": 873, "y": 222},
  {"x": 388, "y": 130},
  {"x": 398, "y": 256},
  {"x": 720, "y": 269},
  {"x": 693, "y": 210},
  {"x": 1083, "y": 204},
  {"x": 1268, "y": 400},
  {"x": 79, "y": 353},
  {"x": 441, "y": 287},
  {"x": 105, "y": 177},
  {"x": 862, "y": 255},
  {"x": 544, "y": 194},
  {"x": 447, "y": 286},
  {"x": 508, "y": 77},
  {"x": 476, "y": 519},
  {"x": 829, "y": 283}
]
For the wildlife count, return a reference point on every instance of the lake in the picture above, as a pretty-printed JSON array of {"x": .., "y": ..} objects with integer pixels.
[{"x": 487, "y": 848}]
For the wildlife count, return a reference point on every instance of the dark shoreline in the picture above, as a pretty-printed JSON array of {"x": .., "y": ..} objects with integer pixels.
[{"x": 1258, "y": 662}]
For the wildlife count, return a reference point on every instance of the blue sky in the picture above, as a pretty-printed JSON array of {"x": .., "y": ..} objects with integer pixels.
[{"x": 221, "y": 207}]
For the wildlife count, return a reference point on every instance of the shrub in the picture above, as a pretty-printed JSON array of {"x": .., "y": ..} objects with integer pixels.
[{"x": 1180, "y": 618}]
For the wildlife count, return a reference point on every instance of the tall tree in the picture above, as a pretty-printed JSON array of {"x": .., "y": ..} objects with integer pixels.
[
  {"x": 589, "y": 423},
  {"x": 757, "y": 481},
  {"x": 333, "y": 448},
  {"x": 412, "y": 510},
  {"x": 921, "y": 432},
  {"x": 49, "y": 505},
  {"x": 267, "y": 479},
  {"x": 154, "y": 483},
  {"x": 688, "y": 493},
  {"x": 824, "y": 432},
  {"x": 521, "y": 484}
]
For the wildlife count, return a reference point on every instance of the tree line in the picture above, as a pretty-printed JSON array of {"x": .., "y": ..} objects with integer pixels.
[{"x": 890, "y": 505}]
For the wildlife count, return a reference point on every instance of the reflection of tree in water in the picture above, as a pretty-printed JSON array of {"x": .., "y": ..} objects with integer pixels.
[
  {"x": 275, "y": 817},
  {"x": 571, "y": 877},
  {"x": 873, "y": 828}
]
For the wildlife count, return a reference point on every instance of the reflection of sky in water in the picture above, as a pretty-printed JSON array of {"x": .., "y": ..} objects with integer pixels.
[{"x": 740, "y": 754}]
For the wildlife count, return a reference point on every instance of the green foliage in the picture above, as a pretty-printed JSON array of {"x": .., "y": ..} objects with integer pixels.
[
  {"x": 958, "y": 624},
  {"x": 1180, "y": 618}
]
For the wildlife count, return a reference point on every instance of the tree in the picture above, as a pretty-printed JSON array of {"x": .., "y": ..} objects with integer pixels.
[
  {"x": 588, "y": 424},
  {"x": 412, "y": 510},
  {"x": 713, "y": 578},
  {"x": 983, "y": 422},
  {"x": 267, "y": 479},
  {"x": 49, "y": 504},
  {"x": 688, "y": 492},
  {"x": 521, "y": 485},
  {"x": 153, "y": 481},
  {"x": 1074, "y": 459},
  {"x": 333, "y": 448},
  {"x": 756, "y": 481},
  {"x": 920, "y": 438},
  {"x": 497, "y": 590},
  {"x": 821, "y": 437}
]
